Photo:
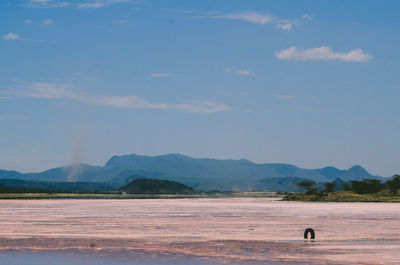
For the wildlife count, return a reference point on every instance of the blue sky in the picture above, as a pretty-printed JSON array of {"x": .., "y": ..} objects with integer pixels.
[{"x": 311, "y": 83}]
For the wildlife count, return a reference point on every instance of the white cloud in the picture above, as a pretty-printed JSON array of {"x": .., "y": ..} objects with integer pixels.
[
  {"x": 91, "y": 5},
  {"x": 81, "y": 4},
  {"x": 47, "y": 4},
  {"x": 44, "y": 90},
  {"x": 11, "y": 36},
  {"x": 124, "y": 102},
  {"x": 322, "y": 53},
  {"x": 239, "y": 72},
  {"x": 65, "y": 91},
  {"x": 47, "y": 22},
  {"x": 187, "y": 11},
  {"x": 307, "y": 17},
  {"x": 28, "y": 21},
  {"x": 251, "y": 17},
  {"x": 163, "y": 75},
  {"x": 103, "y": 3},
  {"x": 259, "y": 18},
  {"x": 286, "y": 26}
]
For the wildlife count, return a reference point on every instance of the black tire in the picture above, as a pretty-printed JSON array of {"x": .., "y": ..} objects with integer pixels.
[{"x": 311, "y": 231}]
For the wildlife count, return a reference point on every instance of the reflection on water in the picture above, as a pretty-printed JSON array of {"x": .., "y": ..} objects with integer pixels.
[{"x": 228, "y": 230}]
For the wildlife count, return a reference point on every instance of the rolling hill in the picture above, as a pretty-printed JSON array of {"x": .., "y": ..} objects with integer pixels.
[{"x": 156, "y": 186}]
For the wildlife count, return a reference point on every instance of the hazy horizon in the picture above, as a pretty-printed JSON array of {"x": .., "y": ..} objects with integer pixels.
[
  {"x": 103, "y": 164},
  {"x": 307, "y": 83}
]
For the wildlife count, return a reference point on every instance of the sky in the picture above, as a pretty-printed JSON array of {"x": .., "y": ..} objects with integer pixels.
[{"x": 309, "y": 83}]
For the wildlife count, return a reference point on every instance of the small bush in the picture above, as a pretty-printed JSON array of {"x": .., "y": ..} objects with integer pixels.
[{"x": 394, "y": 184}]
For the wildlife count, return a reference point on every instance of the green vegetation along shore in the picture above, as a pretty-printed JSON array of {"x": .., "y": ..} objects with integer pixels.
[
  {"x": 141, "y": 188},
  {"x": 215, "y": 195},
  {"x": 366, "y": 190},
  {"x": 342, "y": 196}
]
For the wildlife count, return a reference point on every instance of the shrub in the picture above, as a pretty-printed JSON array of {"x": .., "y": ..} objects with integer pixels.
[
  {"x": 308, "y": 185},
  {"x": 366, "y": 186},
  {"x": 394, "y": 184},
  {"x": 329, "y": 187}
]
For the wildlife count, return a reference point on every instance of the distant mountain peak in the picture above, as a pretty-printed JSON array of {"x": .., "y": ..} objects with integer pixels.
[{"x": 356, "y": 167}]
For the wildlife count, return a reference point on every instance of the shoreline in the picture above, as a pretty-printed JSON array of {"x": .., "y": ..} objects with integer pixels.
[{"x": 61, "y": 195}]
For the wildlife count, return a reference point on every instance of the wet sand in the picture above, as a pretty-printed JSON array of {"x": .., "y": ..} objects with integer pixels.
[{"x": 238, "y": 231}]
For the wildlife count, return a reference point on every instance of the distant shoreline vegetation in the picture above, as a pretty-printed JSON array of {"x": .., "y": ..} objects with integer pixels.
[
  {"x": 116, "y": 195},
  {"x": 366, "y": 190},
  {"x": 141, "y": 188}
]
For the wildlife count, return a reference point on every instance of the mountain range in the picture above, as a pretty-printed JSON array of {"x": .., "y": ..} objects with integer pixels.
[{"x": 200, "y": 173}]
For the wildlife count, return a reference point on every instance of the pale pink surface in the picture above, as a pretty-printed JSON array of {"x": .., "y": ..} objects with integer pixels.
[{"x": 364, "y": 232}]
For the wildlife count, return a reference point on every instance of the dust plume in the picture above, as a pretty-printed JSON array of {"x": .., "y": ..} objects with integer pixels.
[{"x": 77, "y": 153}]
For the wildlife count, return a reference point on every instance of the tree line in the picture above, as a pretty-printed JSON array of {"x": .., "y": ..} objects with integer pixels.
[{"x": 364, "y": 186}]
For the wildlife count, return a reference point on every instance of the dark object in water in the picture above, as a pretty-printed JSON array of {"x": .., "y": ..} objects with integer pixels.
[
  {"x": 311, "y": 231},
  {"x": 92, "y": 245}
]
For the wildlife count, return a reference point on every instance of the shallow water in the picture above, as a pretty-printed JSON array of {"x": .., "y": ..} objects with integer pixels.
[
  {"x": 121, "y": 257},
  {"x": 242, "y": 230}
]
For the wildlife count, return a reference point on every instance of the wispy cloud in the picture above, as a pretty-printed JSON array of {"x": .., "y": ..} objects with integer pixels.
[
  {"x": 80, "y": 4},
  {"x": 160, "y": 75},
  {"x": 202, "y": 107},
  {"x": 28, "y": 21},
  {"x": 91, "y": 5},
  {"x": 187, "y": 11},
  {"x": 47, "y": 22},
  {"x": 66, "y": 91},
  {"x": 209, "y": 13},
  {"x": 323, "y": 53},
  {"x": 47, "y": 4},
  {"x": 11, "y": 36},
  {"x": 239, "y": 71},
  {"x": 287, "y": 26},
  {"x": 244, "y": 72},
  {"x": 307, "y": 17},
  {"x": 259, "y": 18},
  {"x": 124, "y": 102},
  {"x": 103, "y": 3},
  {"x": 14, "y": 37},
  {"x": 43, "y": 90}
]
